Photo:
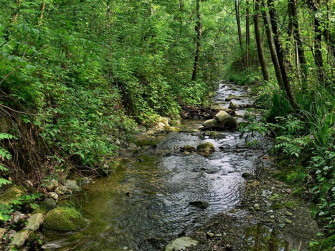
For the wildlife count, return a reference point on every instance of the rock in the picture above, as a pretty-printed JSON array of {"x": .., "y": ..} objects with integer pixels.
[
  {"x": 53, "y": 195},
  {"x": 205, "y": 149},
  {"x": 288, "y": 221},
  {"x": 247, "y": 176},
  {"x": 231, "y": 97},
  {"x": 64, "y": 219},
  {"x": 287, "y": 213},
  {"x": 2, "y": 232},
  {"x": 50, "y": 203},
  {"x": 226, "y": 120},
  {"x": 188, "y": 148},
  {"x": 233, "y": 105},
  {"x": 51, "y": 185},
  {"x": 211, "y": 123},
  {"x": 210, "y": 235},
  {"x": 20, "y": 238},
  {"x": 199, "y": 204},
  {"x": 181, "y": 244},
  {"x": 200, "y": 128},
  {"x": 18, "y": 216},
  {"x": 257, "y": 207},
  {"x": 34, "y": 222},
  {"x": 72, "y": 185},
  {"x": 11, "y": 194}
]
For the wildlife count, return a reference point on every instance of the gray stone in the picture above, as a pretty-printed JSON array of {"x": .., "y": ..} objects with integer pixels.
[
  {"x": 34, "y": 222},
  {"x": 211, "y": 123},
  {"x": 50, "y": 203},
  {"x": 181, "y": 244},
  {"x": 226, "y": 120},
  {"x": 53, "y": 195},
  {"x": 72, "y": 185},
  {"x": 20, "y": 238}
]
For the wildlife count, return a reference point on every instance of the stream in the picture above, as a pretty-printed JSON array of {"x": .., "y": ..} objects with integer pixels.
[{"x": 147, "y": 202}]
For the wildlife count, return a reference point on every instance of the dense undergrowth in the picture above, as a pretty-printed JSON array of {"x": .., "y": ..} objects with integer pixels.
[{"x": 77, "y": 77}]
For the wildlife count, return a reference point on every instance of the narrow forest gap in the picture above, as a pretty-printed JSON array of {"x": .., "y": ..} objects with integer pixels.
[{"x": 177, "y": 125}]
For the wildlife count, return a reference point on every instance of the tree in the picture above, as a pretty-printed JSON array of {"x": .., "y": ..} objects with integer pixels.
[
  {"x": 280, "y": 55},
  {"x": 260, "y": 52},
  {"x": 198, "y": 41}
]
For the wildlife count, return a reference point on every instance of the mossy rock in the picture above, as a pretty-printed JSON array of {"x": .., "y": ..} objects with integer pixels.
[
  {"x": 12, "y": 193},
  {"x": 205, "y": 149},
  {"x": 187, "y": 148},
  {"x": 64, "y": 219}
]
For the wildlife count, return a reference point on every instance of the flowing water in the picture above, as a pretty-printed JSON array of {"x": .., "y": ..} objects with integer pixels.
[{"x": 145, "y": 203}]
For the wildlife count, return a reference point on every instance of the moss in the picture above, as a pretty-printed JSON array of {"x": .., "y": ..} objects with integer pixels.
[
  {"x": 64, "y": 219},
  {"x": 11, "y": 194},
  {"x": 147, "y": 142},
  {"x": 205, "y": 149}
]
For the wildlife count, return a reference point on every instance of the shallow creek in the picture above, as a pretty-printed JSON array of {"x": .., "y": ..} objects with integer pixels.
[{"x": 145, "y": 203}]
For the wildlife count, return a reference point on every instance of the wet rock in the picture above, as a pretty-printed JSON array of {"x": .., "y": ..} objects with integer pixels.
[
  {"x": 205, "y": 149},
  {"x": 233, "y": 105},
  {"x": 20, "y": 238},
  {"x": 257, "y": 207},
  {"x": 231, "y": 97},
  {"x": 181, "y": 244},
  {"x": 72, "y": 185},
  {"x": 11, "y": 194},
  {"x": 64, "y": 219},
  {"x": 211, "y": 123},
  {"x": 247, "y": 176},
  {"x": 199, "y": 204},
  {"x": 34, "y": 222},
  {"x": 226, "y": 120},
  {"x": 188, "y": 148}
]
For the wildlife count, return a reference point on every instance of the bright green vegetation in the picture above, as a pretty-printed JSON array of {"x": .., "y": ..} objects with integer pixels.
[{"x": 77, "y": 77}]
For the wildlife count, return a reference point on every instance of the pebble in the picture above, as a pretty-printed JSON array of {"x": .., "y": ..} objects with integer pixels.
[
  {"x": 210, "y": 235},
  {"x": 53, "y": 195},
  {"x": 287, "y": 213},
  {"x": 288, "y": 221},
  {"x": 257, "y": 207}
]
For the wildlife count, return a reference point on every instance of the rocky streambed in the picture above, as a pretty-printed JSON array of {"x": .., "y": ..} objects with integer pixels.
[{"x": 201, "y": 188}]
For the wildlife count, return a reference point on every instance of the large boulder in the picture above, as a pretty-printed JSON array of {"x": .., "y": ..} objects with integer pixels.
[
  {"x": 181, "y": 244},
  {"x": 226, "y": 120},
  {"x": 64, "y": 219},
  {"x": 205, "y": 149}
]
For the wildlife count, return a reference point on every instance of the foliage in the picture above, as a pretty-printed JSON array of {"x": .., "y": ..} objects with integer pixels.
[{"x": 4, "y": 155}]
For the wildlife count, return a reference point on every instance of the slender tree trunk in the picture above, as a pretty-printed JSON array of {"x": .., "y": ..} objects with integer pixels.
[
  {"x": 273, "y": 52},
  {"x": 317, "y": 41},
  {"x": 297, "y": 37},
  {"x": 238, "y": 21},
  {"x": 280, "y": 54},
  {"x": 40, "y": 20},
  {"x": 198, "y": 39},
  {"x": 247, "y": 30},
  {"x": 260, "y": 51}
]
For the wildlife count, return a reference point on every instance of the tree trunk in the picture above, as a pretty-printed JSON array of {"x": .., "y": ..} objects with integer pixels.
[
  {"x": 260, "y": 52},
  {"x": 273, "y": 52},
  {"x": 317, "y": 41},
  {"x": 281, "y": 58},
  {"x": 40, "y": 20},
  {"x": 247, "y": 30},
  {"x": 297, "y": 37},
  {"x": 238, "y": 21},
  {"x": 198, "y": 39}
]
